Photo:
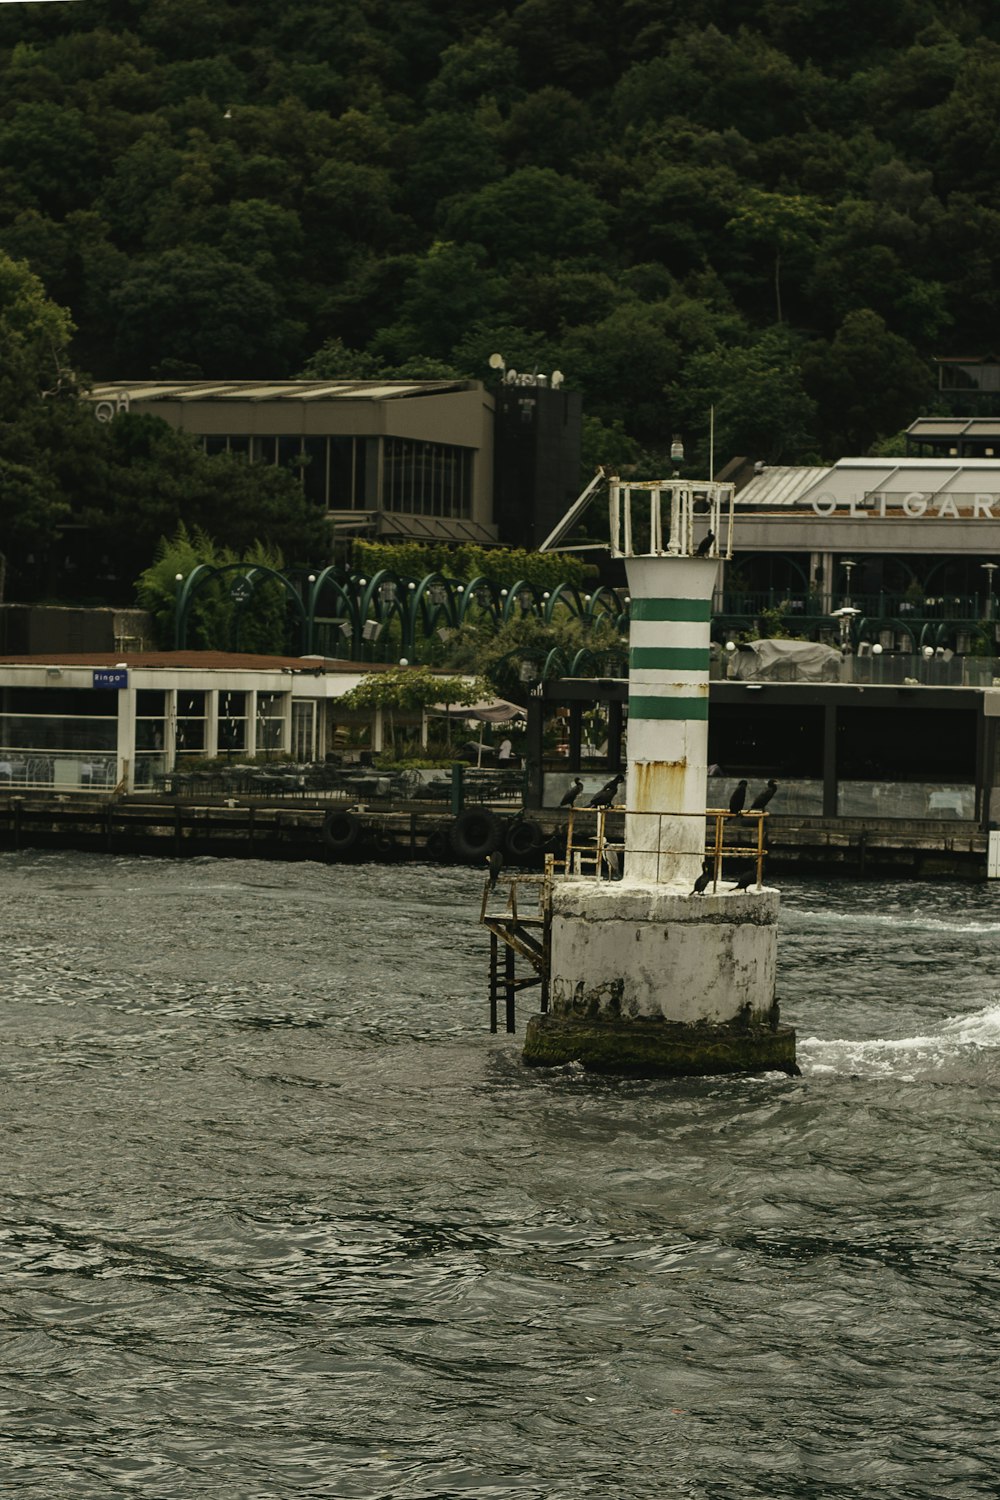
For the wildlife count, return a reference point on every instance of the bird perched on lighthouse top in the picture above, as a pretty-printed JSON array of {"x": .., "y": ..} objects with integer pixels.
[{"x": 704, "y": 547}]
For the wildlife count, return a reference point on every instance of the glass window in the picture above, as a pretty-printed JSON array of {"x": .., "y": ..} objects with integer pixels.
[
  {"x": 232, "y": 732},
  {"x": 270, "y": 720},
  {"x": 38, "y": 732},
  {"x": 60, "y": 702},
  {"x": 150, "y": 704},
  {"x": 430, "y": 479},
  {"x": 190, "y": 722},
  {"x": 314, "y": 469}
]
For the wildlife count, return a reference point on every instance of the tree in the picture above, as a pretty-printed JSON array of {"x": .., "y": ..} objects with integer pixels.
[
  {"x": 789, "y": 224},
  {"x": 411, "y": 690},
  {"x": 216, "y": 620},
  {"x": 534, "y": 211},
  {"x": 37, "y": 388},
  {"x": 762, "y": 410},
  {"x": 196, "y": 305},
  {"x": 868, "y": 383}
]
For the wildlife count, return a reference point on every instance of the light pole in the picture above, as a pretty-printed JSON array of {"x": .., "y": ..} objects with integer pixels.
[{"x": 848, "y": 564}]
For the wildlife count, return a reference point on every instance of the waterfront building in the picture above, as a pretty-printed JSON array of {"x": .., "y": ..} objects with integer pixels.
[
  {"x": 401, "y": 460},
  {"x": 96, "y": 721},
  {"x": 910, "y": 544}
]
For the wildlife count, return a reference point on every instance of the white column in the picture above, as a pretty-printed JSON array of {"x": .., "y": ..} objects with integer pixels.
[
  {"x": 669, "y": 642},
  {"x": 125, "y": 749}
]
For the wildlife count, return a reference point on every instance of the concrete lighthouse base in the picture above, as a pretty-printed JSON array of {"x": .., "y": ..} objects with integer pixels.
[{"x": 650, "y": 981}]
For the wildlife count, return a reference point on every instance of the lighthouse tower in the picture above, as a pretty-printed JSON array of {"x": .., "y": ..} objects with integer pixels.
[{"x": 648, "y": 977}]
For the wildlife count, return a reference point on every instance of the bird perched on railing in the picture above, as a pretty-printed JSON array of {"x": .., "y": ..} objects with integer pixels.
[
  {"x": 704, "y": 547},
  {"x": 763, "y": 798},
  {"x": 495, "y": 861},
  {"x": 571, "y": 794},
  {"x": 606, "y": 795},
  {"x": 738, "y": 798}
]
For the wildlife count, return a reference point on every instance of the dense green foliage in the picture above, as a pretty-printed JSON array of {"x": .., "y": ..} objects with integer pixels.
[
  {"x": 215, "y": 620},
  {"x": 502, "y": 566},
  {"x": 83, "y": 504},
  {"x": 782, "y": 208}
]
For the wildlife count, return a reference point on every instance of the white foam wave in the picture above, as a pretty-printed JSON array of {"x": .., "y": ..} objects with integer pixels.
[
  {"x": 957, "y": 1042},
  {"x": 890, "y": 919}
]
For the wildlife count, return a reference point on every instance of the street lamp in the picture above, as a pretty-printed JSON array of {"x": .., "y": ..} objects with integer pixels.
[
  {"x": 846, "y": 616},
  {"x": 848, "y": 564}
]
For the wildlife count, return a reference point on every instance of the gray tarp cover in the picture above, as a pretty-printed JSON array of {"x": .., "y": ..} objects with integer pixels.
[
  {"x": 787, "y": 661},
  {"x": 495, "y": 711}
]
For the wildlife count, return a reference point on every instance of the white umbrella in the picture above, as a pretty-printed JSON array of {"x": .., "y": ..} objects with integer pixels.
[{"x": 490, "y": 711}]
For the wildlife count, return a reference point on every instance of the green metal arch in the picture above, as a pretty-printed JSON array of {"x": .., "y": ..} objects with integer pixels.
[{"x": 204, "y": 571}]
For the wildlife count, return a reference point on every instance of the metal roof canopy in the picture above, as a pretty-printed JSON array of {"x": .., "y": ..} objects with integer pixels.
[
  {"x": 857, "y": 479},
  {"x": 945, "y": 427},
  {"x": 274, "y": 390}
]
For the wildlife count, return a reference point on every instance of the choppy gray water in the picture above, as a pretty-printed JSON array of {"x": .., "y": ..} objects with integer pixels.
[{"x": 278, "y": 1217}]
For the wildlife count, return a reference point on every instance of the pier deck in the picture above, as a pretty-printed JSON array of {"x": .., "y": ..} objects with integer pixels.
[{"x": 313, "y": 828}]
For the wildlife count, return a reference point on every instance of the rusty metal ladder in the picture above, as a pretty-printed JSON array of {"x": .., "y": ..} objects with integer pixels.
[{"x": 526, "y": 937}]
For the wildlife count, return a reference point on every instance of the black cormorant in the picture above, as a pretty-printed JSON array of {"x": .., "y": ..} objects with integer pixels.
[
  {"x": 763, "y": 798},
  {"x": 738, "y": 798},
  {"x": 570, "y": 796},
  {"x": 606, "y": 795}
]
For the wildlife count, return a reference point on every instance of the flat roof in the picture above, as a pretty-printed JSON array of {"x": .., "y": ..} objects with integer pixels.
[
  {"x": 274, "y": 390},
  {"x": 946, "y": 427},
  {"x": 213, "y": 661},
  {"x": 853, "y": 478}
]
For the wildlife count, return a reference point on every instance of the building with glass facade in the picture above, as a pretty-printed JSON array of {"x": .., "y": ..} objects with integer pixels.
[
  {"x": 96, "y": 722},
  {"x": 384, "y": 458}
]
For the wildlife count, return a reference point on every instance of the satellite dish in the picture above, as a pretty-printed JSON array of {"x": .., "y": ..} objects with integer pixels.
[
  {"x": 497, "y": 362},
  {"x": 557, "y": 379},
  {"x": 511, "y": 377}
]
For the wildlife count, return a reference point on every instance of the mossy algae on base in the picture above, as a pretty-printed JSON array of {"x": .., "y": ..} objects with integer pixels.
[{"x": 658, "y": 1049}]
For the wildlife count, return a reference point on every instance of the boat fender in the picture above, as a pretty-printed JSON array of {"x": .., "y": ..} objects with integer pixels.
[
  {"x": 522, "y": 838},
  {"x": 474, "y": 834},
  {"x": 341, "y": 831}
]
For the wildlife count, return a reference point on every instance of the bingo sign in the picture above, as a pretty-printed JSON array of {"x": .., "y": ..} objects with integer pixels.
[{"x": 110, "y": 677}]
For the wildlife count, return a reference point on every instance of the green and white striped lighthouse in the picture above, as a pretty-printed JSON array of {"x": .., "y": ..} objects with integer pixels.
[
  {"x": 646, "y": 976},
  {"x": 668, "y": 717}
]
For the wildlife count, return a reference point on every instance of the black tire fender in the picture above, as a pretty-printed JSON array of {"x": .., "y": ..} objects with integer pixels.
[
  {"x": 523, "y": 838},
  {"x": 474, "y": 834},
  {"x": 341, "y": 831}
]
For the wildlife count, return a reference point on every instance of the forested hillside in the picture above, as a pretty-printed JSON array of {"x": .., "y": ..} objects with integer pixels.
[{"x": 784, "y": 208}]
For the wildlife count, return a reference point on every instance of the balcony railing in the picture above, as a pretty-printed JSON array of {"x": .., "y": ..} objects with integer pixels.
[{"x": 752, "y": 604}]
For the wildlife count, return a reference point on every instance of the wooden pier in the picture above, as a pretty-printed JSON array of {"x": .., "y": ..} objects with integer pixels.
[{"x": 311, "y": 828}]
